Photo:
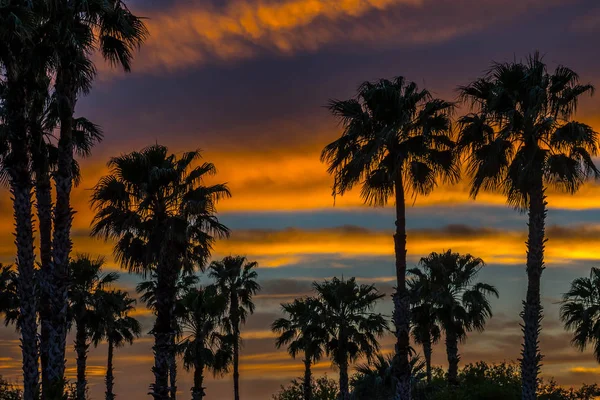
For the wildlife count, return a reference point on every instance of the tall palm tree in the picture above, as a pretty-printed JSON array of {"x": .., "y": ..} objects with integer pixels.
[
  {"x": 87, "y": 282},
  {"x": 425, "y": 327},
  {"x": 147, "y": 289},
  {"x": 580, "y": 312},
  {"x": 78, "y": 29},
  {"x": 395, "y": 142},
  {"x": 459, "y": 304},
  {"x": 18, "y": 20},
  {"x": 520, "y": 139},
  {"x": 162, "y": 217},
  {"x": 352, "y": 328},
  {"x": 236, "y": 280},
  {"x": 302, "y": 332},
  {"x": 114, "y": 325},
  {"x": 204, "y": 345}
]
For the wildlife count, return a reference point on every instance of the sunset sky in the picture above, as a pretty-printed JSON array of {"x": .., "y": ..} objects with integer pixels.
[{"x": 246, "y": 82}]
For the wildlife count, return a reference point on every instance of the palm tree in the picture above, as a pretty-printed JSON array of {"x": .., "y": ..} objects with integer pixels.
[
  {"x": 204, "y": 345},
  {"x": 425, "y": 328},
  {"x": 375, "y": 380},
  {"x": 163, "y": 220},
  {"x": 519, "y": 140},
  {"x": 87, "y": 283},
  {"x": 17, "y": 22},
  {"x": 395, "y": 142},
  {"x": 9, "y": 299},
  {"x": 302, "y": 332},
  {"x": 459, "y": 304},
  {"x": 77, "y": 29},
  {"x": 116, "y": 326},
  {"x": 235, "y": 279},
  {"x": 580, "y": 312},
  {"x": 352, "y": 328},
  {"x": 147, "y": 289}
]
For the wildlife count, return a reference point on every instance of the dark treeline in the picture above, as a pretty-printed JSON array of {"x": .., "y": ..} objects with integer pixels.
[{"x": 517, "y": 136}]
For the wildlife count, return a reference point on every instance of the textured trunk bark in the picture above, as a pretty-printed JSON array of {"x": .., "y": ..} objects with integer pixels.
[
  {"x": 532, "y": 313},
  {"x": 236, "y": 346},
  {"x": 165, "y": 304},
  {"x": 427, "y": 353},
  {"x": 61, "y": 246},
  {"x": 172, "y": 368},
  {"x": 43, "y": 190},
  {"x": 110, "y": 379},
  {"x": 401, "y": 300},
  {"x": 21, "y": 190},
  {"x": 344, "y": 388},
  {"x": 81, "y": 349},
  {"x": 453, "y": 357},
  {"x": 307, "y": 380},
  {"x": 198, "y": 388}
]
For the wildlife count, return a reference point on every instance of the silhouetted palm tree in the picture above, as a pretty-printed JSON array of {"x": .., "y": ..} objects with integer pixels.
[
  {"x": 375, "y": 380},
  {"x": 425, "y": 327},
  {"x": 9, "y": 297},
  {"x": 17, "y": 23},
  {"x": 204, "y": 344},
  {"x": 116, "y": 326},
  {"x": 352, "y": 327},
  {"x": 302, "y": 332},
  {"x": 162, "y": 218},
  {"x": 459, "y": 304},
  {"x": 236, "y": 280},
  {"x": 521, "y": 139},
  {"x": 395, "y": 142},
  {"x": 580, "y": 312},
  {"x": 147, "y": 289},
  {"x": 77, "y": 29}
]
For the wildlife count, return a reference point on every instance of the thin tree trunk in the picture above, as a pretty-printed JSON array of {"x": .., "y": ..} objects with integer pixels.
[
  {"x": 61, "y": 246},
  {"x": 401, "y": 301},
  {"x": 236, "y": 346},
  {"x": 21, "y": 190},
  {"x": 453, "y": 357},
  {"x": 81, "y": 349},
  {"x": 427, "y": 353},
  {"x": 110, "y": 379},
  {"x": 344, "y": 387},
  {"x": 532, "y": 313},
  {"x": 165, "y": 304},
  {"x": 172, "y": 368},
  {"x": 307, "y": 380},
  {"x": 198, "y": 388}
]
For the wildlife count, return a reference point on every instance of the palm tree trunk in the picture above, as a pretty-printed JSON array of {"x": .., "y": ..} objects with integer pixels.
[
  {"x": 21, "y": 190},
  {"x": 344, "y": 387},
  {"x": 198, "y": 388},
  {"x": 236, "y": 345},
  {"x": 453, "y": 357},
  {"x": 427, "y": 353},
  {"x": 110, "y": 380},
  {"x": 307, "y": 380},
  {"x": 532, "y": 313},
  {"x": 401, "y": 300},
  {"x": 165, "y": 304},
  {"x": 172, "y": 368},
  {"x": 81, "y": 348},
  {"x": 61, "y": 246},
  {"x": 43, "y": 194},
  {"x": 21, "y": 193}
]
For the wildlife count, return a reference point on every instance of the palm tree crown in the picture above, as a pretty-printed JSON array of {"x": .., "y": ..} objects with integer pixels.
[
  {"x": 352, "y": 328},
  {"x": 580, "y": 311}
]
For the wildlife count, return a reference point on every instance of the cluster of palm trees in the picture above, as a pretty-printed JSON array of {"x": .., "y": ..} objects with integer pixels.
[
  {"x": 339, "y": 321},
  {"x": 47, "y": 52},
  {"x": 518, "y": 138}
]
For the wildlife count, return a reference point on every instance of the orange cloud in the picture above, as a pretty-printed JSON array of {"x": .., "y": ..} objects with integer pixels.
[{"x": 190, "y": 35}]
